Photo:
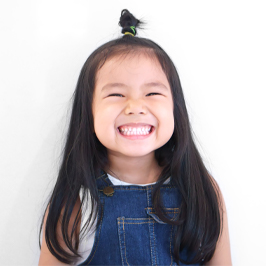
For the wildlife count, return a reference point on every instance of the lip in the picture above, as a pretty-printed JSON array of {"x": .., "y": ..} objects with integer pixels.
[
  {"x": 135, "y": 125},
  {"x": 136, "y": 137}
]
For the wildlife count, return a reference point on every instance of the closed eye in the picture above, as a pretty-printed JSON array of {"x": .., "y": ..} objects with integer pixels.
[
  {"x": 153, "y": 93},
  {"x": 116, "y": 94}
]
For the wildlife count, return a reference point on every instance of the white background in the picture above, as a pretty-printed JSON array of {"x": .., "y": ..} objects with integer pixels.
[{"x": 219, "y": 50}]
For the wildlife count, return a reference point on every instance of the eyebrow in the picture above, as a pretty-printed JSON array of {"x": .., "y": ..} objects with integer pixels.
[
  {"x": 122, "y": 85},
  {"x": 113, "y": 85},
  {"x": 156, "y": 84}
]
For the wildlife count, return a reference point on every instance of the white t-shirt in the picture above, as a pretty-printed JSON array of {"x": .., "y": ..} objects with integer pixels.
[{"x": 86, "y": 244}]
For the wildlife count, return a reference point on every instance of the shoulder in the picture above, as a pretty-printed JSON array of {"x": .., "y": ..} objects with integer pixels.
[{"x": 222, "y": 254}]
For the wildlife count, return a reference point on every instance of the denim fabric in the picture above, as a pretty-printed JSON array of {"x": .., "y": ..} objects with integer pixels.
[{"x": 130, "y": 232}]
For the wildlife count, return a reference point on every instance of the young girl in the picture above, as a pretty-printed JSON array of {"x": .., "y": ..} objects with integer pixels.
[{"x": 132, "y": 188}]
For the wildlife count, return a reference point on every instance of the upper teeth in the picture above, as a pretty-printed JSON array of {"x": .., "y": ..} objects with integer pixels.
[{"x": 135, "y": 130}]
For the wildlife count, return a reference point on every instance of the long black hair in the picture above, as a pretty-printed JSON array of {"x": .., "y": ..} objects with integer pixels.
[{"x": 84, "y": 158}]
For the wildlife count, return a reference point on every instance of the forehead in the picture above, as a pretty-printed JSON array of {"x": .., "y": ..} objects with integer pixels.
[{"x": 131, "y": 67}]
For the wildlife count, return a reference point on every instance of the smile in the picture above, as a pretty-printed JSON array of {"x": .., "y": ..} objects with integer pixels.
[
  {"x": 129, "y": 131},
  {"x": 138, "y": 132}
]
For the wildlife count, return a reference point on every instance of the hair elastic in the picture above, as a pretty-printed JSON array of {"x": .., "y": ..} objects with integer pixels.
[{"x": 130, "y": 33}]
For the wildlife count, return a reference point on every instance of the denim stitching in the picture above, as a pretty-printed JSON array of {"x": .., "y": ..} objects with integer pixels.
[
  {"x": 151, "y": 220},
  {"x": 118, "y": 188},
  {"x": 100, "y": 176},
  {"x": 141, "y": 223},
  {"x": 154, "y": 244},
  {"x": 151, "y": 246},
  {"x": 148, "y": 196},
  {"x": 125, "y": 242},
  {"x": 171, "y": 245},
  {"x": 136, "y": 218},
  {"x": 121, "y": 249},
  {"x": 166, "y": 212},
  {"x": 175, "y": 209},
  {"x": 145, "y": 220}
]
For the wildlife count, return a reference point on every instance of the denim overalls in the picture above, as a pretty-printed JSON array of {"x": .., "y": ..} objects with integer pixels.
[{"x": 130, "y": 233}]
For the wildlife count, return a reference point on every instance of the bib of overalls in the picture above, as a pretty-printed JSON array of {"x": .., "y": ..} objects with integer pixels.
[{"x": 129, "y": 231}]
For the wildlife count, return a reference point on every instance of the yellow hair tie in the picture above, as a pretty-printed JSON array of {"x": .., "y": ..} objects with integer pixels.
[{"x": 129, "y": 33}]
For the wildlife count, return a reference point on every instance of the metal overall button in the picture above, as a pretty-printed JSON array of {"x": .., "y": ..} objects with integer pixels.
[{"x": 108, "y": 191}]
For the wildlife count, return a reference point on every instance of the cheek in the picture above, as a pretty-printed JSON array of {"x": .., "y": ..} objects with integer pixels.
[
  {"x": 105, "y": 114},
  {"x": 167, "y": 122},
  {"x": 100, "y": 122},
  {"x": 104, "y": 123},
  {"x": 166, "y": 113}
]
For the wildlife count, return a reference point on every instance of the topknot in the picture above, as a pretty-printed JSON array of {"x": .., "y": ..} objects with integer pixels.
[{"x": 128, "y": 22}]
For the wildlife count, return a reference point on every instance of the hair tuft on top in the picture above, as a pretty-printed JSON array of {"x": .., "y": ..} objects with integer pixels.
[{"x": 127, "y": 20}]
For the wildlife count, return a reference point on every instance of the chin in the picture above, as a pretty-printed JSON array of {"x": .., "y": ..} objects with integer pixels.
[{"x": 136, "y": 153}]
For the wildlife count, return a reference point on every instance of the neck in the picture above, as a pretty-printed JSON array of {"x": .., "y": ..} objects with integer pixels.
[{"x": 136, "y": 170}]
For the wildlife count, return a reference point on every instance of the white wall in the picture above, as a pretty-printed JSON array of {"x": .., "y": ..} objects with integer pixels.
[{"x": 219, "y": 50}]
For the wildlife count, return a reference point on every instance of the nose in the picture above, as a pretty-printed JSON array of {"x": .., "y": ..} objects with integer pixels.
[{"x": 135, "y": 107}]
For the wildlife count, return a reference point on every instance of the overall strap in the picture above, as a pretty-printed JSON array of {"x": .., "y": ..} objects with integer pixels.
[{"x": 105, "y": 185}]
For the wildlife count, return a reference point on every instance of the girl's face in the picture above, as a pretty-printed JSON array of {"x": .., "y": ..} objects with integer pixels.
[{"x": 132, "y": 106}]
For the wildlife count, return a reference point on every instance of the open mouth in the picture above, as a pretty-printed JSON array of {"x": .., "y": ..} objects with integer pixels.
[{"x": 135, "y": 131}]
